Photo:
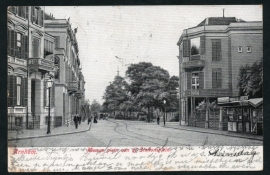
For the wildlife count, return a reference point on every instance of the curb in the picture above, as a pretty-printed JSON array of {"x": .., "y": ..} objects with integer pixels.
[
  {"x": 228, "y": 135},
  {"x": 42, "y": 136}
]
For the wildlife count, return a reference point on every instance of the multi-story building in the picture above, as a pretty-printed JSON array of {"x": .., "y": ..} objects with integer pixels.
[
  {"x": 210, "y": 55},
  {"x": 34, "y": 57},
  {"x": 28, "y": 68},
  {"x": 69, "y": 81}
]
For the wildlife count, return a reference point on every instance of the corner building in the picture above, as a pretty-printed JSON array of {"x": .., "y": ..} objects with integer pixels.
[{"x": 210, "y": 56}]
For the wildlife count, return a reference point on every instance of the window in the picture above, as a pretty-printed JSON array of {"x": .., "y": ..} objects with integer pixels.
[
  {"x": 216, "y": 50},
  {"x": 195, "y": 80},
  {"x": 186, "y": 48},
  {"x": 216, "y": 78},
  {"x": 19, "y": 81},
  {"x": 36, "y": 47},
  {"x": 19, "y": 45},
  {"x": 240, "y": 49},
  {"x": 195, "y": 46},
  {"x": 37, "y": 16},
  {"x": 248, "y": 48}
]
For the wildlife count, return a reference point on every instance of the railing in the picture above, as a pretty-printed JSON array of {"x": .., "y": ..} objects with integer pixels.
[
  {"x": 73, "y": 86},
  {"x": 17, "y": 60},
  {"x": 194, "y": 63},
  {"x": 208, "y": 92},
  {"x": 41, "y": 63}
]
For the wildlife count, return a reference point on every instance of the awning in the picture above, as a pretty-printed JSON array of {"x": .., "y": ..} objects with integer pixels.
[
  {"x": 255, "y": 102},
  {"x": 234, "y": 104}
]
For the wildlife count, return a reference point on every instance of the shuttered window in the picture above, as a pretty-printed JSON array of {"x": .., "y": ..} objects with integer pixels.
[
  {"x": 216, "y": 78},
  {"x": 25, "y": 46},
  {"x": 201, "y": 80},
  {"x": 188, "y": 80},
  {"x": 186, "y": 48},
  {"x": 37, "y": 16},
  {"x": 202, "y": 44},
  {"x": 216, "y": 50},
  {"x": 24, "y": 92},
  {"x": 19, "y": 81},
  {"x": 13, "y": 38},
  {"x": 12, "y": 91},
  {"x": 36, "y": 47},
  {"x": 8, "y": 41}
]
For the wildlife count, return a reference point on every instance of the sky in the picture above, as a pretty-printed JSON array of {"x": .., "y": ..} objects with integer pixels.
[{"x": 113, "y": 37}]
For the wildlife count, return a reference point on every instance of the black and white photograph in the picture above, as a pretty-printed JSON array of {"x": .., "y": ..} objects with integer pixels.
[{"x": 135, "y": 88}]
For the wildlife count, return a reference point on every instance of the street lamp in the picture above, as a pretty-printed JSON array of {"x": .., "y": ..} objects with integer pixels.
[
  {"x": 164, "y": 101},
  {"x": 49, "y": 85}
]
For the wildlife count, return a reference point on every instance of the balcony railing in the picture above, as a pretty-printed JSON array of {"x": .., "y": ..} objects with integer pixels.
[
  {"x": 208, "y": 92},
  {"x": 41, "y": 63},
  {"x": 72, "y": 86},
  {"x": 79, "y": 94},
  {"x": 193, "y": 64}
]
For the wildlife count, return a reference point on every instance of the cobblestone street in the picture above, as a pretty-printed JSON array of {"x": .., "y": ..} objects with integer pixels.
[{"x": 136, "y": 133}]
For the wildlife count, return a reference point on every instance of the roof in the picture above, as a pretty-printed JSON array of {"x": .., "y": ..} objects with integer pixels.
[
  {"x": 255, "y": 102},
  {"x": 219, "y": 21}
]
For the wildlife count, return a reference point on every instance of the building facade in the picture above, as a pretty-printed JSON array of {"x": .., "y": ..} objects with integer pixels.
[
  {"x": 69, "y": 80},
  {"x": 210, "y": 56},
  {"x": 34, "y": 57}
]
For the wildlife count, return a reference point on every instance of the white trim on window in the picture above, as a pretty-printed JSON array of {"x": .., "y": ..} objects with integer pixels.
[
  {"x": 240, "y": 49},
  {"x": 249, "y": 49}
]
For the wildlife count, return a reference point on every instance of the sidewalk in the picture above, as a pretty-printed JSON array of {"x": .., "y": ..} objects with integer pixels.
[
  {"x": 176, "y": 125},
  {"x": 63, "y": 130}
]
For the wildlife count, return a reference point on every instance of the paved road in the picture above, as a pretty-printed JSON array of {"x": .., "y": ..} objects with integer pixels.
[{"x": 133, "y": 133}]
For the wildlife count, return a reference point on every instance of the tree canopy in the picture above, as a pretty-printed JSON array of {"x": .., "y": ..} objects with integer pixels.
[{"x": 250, "y": 80}]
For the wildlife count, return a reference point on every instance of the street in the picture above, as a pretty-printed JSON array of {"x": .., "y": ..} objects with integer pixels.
[{"x": 118, "y": 133}]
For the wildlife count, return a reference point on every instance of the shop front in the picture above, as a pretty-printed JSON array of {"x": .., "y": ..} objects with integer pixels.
[{"x": 243, "y": 115}]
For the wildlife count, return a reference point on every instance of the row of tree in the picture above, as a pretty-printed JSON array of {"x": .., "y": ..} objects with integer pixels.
[{"x": 145, "y": 87}]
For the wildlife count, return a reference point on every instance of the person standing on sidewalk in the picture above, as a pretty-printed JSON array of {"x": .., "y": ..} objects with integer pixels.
[
  {"x": 158, "y": 119},
  {"x": 76, "y": 120}
]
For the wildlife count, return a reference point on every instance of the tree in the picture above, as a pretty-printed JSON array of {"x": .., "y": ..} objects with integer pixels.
[
  {"x": 250, "y": 81},
  {"x": 172, "y": 89},
  {"x": 115, "y": 94},
  {"x": 95, "y": 106}
]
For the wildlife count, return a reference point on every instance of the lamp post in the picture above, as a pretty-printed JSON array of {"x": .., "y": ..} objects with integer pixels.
[
  {"x": 49, "y": 85},
  {"x": 164, "y": 101}
]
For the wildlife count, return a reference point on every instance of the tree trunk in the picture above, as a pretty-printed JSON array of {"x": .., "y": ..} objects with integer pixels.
[{"x": 148, "y": 116}]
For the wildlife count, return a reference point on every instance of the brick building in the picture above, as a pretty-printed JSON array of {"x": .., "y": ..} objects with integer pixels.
[{"x": 210, "y": 55}]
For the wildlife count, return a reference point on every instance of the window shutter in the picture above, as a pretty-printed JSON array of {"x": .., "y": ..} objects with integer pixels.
[
  {"x": 214, "y": 50},
  {"x": 45, "y": 93},
  {"x": 9, "y": 90},
  {"x": 41, "y": 17},
  {"x": 13, "y": 91},
  {"x": 22, "y": 47},
  {"x": 201, "y": 80},
  {"x": 24, "y": 91},
  {"x": 26, "y": 12},
  {"x": 214, "y": 79},
  {"x": 12, "y": 42},
  {"x": 25, "y": 45},
  {"x": 186, "y": 48},
  {"x": 218, "y": 50},
  {"x": 219, "y": 78},
  {"x": 33, "y": 14},
  {"x": 188, "y": 80},
  {"x": 202, "y": 44},
  {"x": 9, "y": 41},
  {"x": 36, "y": 47}
]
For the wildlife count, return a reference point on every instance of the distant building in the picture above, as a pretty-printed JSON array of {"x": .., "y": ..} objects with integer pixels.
[{"x": 210, "y": 55}]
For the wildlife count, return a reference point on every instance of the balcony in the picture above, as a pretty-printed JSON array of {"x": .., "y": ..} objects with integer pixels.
[
  {"x": 79, "y": 94},
  {"x": 207, "y": 93},
  {"x": 193, "y": 64},
  {"x": 41, "y": 64},
  {"x": 72, "y": 86}
]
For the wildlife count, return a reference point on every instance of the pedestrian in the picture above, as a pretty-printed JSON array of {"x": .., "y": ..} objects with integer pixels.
[
  {"x": 79, "y": 118},
  {"x": 158, "y": 119},
  {"x": 95, "y": 119},
  {"x": 76, "y": 120},
  {"x": 89, "y": 119}
]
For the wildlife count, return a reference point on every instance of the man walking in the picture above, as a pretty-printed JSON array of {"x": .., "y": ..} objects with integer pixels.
[{"x": 76, "y": 120}]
